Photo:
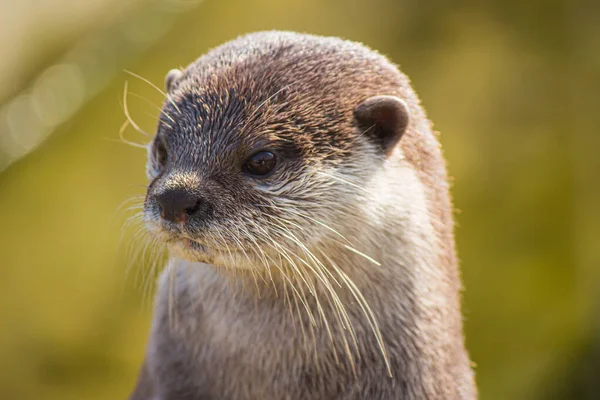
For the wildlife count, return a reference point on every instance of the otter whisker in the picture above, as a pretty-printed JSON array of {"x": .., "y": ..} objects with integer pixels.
[
  {"x": 137, "y": 217},
  {"x": 288, "y": 254},
  {"x": 343, "y": 180},
  {"x": 300, "y": 319},
  {"x": 171, "y": 296},
  {"x": 128, "y": 116},
  {"x": 286, "y": 279},
  {"x": 139, "y": 234},
  {"x": 364, "y": 305},
  {"x": 349, "y": 244},
  {"x": 322, "y": 312},
  {"x": 277, "y": 246},
  {"x": 286, "y": 295},
  {"x": 324, "y": 226},
  {"x": 152, "y": 249},
  {"x": 241, "y": 246},
  {"x": 160, "y": 110},
  {"x": 322, "y": 268},
  {"x": 319, "y": 265},
  {"x": 223, "y": 243},
  {"x": 318, "y": 269},
  {"x": 295, "y": 239},
  {"x": 232, "y": 265},
  {"x": 158, "y": 120},
  {"x": 302, "y": 215},
  {"x": 254, "y": 246},
  {"x": 129, "y": 142},
  {"x": 151, "y": 269},
  {"x": 167, "y": 95},
  {"x": 132, "y": 251},
  {"x": 132, "y": 219},
  {"x": 366, "y": 257},
  {"x": 297, "y": 273},
  {"x": 298, "y": 294},
  {"x": 126, "y": 201}
]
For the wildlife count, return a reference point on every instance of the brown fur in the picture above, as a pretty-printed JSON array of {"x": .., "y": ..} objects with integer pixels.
[{"x": 222, "y": 333}]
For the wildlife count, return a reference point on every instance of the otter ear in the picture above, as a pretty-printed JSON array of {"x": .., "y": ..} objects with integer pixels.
[
  {"x": 171, "y": 79},
  {"x": 384, "y": 119}
]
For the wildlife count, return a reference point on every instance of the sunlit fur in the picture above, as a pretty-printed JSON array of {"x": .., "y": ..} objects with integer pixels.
[{"x": 334, "y": 277}]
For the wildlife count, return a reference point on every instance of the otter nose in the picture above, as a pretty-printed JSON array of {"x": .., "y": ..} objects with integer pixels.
[{"x": 177, "y": 204}]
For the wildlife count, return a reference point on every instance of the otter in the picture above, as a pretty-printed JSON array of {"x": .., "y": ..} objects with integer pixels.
[{"x": 304, "y": 200}]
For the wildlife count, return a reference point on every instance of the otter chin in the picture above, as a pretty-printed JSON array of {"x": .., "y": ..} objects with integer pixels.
[
  {"x": 193, "y": 251},
  {"x": 305, "y": 168}
]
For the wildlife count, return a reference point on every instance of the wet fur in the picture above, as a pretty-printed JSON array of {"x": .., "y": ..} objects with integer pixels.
[{"x": 225, "y": 334}]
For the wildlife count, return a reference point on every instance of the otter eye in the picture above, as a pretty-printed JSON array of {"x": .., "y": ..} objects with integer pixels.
[
  {"x": 260, "y": 164},
  {"x": 161, "y": 153}
]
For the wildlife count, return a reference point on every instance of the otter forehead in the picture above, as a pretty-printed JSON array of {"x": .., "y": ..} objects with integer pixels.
[
  {"x": 293, "y": 91},
  {"x": 293, "y": 59}
]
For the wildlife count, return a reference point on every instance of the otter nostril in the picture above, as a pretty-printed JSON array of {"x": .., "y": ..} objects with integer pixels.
[{"x": 193, "y": 210}]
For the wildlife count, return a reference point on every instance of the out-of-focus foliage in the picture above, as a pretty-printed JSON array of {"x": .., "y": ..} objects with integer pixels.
[{"x": 512, "y": 86}]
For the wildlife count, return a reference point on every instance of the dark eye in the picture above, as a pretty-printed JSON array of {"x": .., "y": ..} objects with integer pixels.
[
  {"x": 161, "y": 153},
  {"x": 260, "y": 164}
]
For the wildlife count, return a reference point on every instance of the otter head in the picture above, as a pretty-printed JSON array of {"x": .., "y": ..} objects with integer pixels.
[{"x": 265, "y": 145}]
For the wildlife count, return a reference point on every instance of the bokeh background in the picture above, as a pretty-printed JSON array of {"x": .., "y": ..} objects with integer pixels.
[{"x": 513, "y": 86}]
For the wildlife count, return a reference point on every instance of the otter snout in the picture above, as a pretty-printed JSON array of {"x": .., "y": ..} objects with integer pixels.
[{"x": 177, "y": 204}]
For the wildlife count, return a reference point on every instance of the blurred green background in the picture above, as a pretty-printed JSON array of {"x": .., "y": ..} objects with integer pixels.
[{"x": 513, "y": 86}]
